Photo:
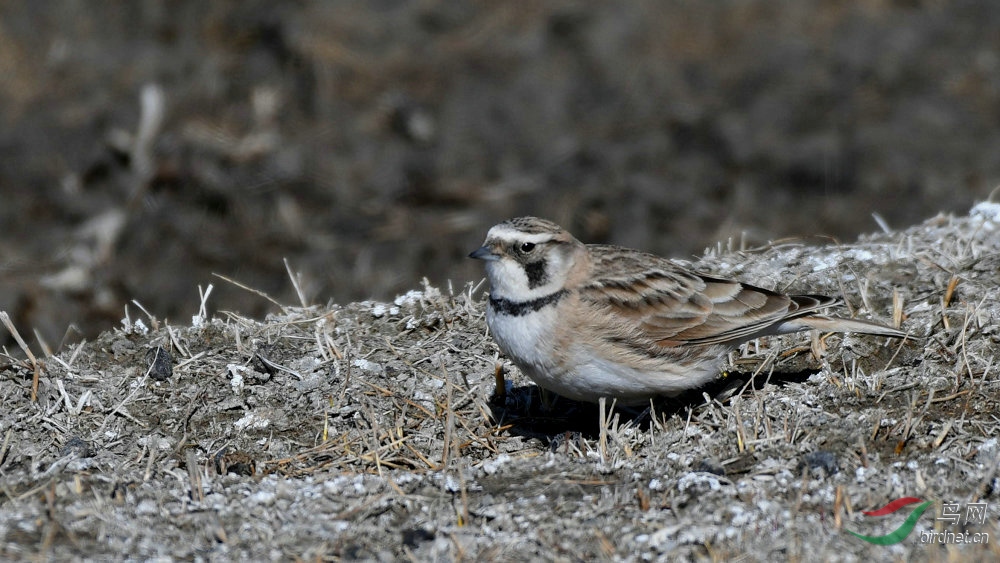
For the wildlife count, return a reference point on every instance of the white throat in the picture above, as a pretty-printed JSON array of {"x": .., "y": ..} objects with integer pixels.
[{"x": 508, "y": 280}]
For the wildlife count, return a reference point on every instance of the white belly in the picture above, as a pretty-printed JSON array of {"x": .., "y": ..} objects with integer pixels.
[
  {"x": 581, "y": 374},
  {"x": 594, "y": 377}
]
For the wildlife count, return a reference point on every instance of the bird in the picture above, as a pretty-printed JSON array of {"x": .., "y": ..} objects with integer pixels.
[{"x": 587, "y": 321}]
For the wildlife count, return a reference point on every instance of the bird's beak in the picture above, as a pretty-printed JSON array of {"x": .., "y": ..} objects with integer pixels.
[{"x": 484, "y": 253}]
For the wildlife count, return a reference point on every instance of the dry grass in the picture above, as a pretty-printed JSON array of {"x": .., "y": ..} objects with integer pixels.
[{"x": 375, "y": 430}]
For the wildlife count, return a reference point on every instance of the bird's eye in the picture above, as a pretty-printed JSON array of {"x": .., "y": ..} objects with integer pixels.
[{"x": 527, "y": 247}]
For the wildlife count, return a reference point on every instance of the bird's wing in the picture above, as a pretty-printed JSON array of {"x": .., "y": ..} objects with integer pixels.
[{"x": 670, "y": 306}]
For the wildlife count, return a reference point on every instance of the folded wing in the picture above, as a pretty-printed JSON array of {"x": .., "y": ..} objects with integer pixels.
[{"x": 672, "y": 307}]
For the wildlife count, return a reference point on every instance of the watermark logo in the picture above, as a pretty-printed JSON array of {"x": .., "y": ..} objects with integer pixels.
[
  {"x": 951, "y": 513},
  {"x": 900, "y": 533}
]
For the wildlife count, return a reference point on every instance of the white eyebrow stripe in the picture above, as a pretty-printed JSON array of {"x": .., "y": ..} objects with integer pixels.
[{"x": 508, "y": 234}]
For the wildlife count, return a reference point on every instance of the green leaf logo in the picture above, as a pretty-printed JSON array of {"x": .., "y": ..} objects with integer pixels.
[{"x": 900, "y": 533}]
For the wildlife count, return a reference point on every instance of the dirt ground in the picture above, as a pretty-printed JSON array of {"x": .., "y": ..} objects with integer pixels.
[
  {"x": 373, "y": 430},
  {"x": 148, "y": 145}
]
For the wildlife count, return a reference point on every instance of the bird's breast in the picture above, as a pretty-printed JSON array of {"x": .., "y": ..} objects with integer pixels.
[{"x": 528, "y": 339}]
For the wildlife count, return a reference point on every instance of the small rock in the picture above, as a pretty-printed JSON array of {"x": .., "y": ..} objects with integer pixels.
[
  {"x": 820, "y": 461},
  {"x": 160, "y": 363}
]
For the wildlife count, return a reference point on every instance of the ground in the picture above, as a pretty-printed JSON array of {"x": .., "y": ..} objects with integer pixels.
[{"x": 374, "y": 430}]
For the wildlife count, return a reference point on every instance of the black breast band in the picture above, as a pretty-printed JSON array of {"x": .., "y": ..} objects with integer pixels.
[{"x": 521, "y": 308}]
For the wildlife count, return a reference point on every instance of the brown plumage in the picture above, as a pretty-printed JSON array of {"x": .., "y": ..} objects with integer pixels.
[{"x": 593, "y": 320}]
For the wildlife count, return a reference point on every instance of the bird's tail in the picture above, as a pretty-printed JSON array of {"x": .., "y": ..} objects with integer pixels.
[{"x": 837, "y": 324}]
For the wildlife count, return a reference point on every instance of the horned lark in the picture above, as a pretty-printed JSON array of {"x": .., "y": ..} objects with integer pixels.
[{"x": 589, "y": 321}]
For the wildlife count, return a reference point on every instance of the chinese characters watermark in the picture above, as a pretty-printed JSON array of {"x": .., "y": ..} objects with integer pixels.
[{"x": 952, "y": 513}]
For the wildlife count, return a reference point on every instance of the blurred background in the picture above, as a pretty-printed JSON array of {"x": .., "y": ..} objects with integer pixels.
[{"x": 145, "y": 145}]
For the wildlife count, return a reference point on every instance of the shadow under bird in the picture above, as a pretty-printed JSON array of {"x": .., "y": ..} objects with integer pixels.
[{"x": 588, "y": 321}]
